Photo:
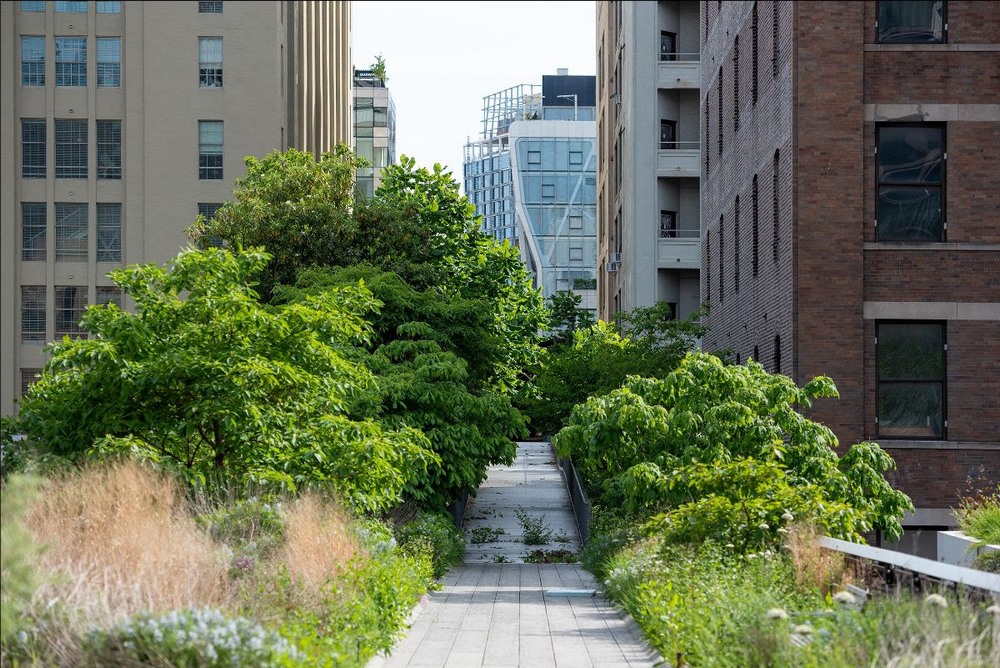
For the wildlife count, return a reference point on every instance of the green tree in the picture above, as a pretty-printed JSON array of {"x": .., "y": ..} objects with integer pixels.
[
  {"x": 566, "y": 317},
  {"x": 205, "y": 378},
  {"x": 418, "y": 353},
  {"x": 378, "y": 69},
  {"x": 709, "y": 438}
]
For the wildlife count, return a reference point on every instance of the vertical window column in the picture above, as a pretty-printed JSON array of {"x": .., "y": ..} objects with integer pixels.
[
  {"x": 71, "y": 61},
  {"x": 109, "y": 232},
  {"x": 71, "y": 232},
  {"x": 34, "y": 225},
  {"x": 33, "y": 163},
  {"x": 32, "y": 60},
  {"x": 109, "y": 62},
  {"x": 33, "y": 312},
  {"x": 210, "y": 62},
  {"x": 109, "y": 149},
  {"x": 71, "y": 149},
  {"x": 210, "y": 145}
]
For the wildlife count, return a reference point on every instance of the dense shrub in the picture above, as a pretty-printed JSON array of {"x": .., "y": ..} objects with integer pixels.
[
  {"x": 19, "y": 554},
  {"x": 437, "y": 534}
]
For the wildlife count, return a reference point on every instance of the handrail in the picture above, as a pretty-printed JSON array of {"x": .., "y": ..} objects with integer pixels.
[
  {"x": 969, "y": 577},
  {"x": 679, "y": 145},
  {"x": 678, "y": 57}
]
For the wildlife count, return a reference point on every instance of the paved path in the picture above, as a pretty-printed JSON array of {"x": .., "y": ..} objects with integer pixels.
[{"x": 498, "y": 611}]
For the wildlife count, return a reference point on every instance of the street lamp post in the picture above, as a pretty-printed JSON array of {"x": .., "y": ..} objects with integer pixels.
[{"x": 574, "y": 103}]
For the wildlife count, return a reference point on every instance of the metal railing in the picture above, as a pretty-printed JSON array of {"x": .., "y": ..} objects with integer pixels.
[
  {"x": 678, "y": 57},
  {"x": 679, "y": 145}
]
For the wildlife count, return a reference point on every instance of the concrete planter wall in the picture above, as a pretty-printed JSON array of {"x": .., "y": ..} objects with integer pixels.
[{"x": 957, "y": 549}]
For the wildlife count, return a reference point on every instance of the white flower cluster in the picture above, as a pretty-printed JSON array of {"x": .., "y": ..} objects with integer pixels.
[{"x": 216, "y": 639}]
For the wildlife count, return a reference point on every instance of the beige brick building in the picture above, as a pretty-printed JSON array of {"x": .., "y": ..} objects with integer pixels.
[{"x": 121, "y": 121}]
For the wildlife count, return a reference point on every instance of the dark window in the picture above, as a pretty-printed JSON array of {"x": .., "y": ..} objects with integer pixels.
[
  {"x": 210, "y": 7},
  {"x": 722, "y": 257},
  {"x": 208, "y": 210},
  {"x": 109, "y": 232},
  {"x": 32, "y": 312},
  {"x": 71, "y": 300},
  {"x": 71, "y": 149},
  {"x": 109, "y": 149},
  {"x": 71, "y": 232},
  {"x": 911, "y": 22},
  {"x": 774, "y": 38},
  {"x": 775, "y": 184},
  {"x": 777, "y": 354},
  {"x": 668, "y": 134},
  {"x": 668, "y": 224},
  {"x": 910, "y": 183},
  {"x": 32, "y": 60},
  {"x": 720, "y": 111},
  {"x": 911, "y": 379},
  {"x": 754, "y": 21},
  {"x": 71, "y": 61},
  {"x": 109, "y": 295},
  {"x": 736, "y": 245},
  {"x": 668, "y": 45},
  {"x": 708, "y": 265},
  {"x": 755, "y": 220},
  {"x": 708, "y": 153},
  {"x": 736, "y": 85},
  {"x": 33, "y": 231},
  {"x": 109, "y": 62},
  {"x": 756, "y": 354},
  {"x": 33, "y": 148},
  {"x": 210, "y": 144},
  {"x": 210, "y": 62}
]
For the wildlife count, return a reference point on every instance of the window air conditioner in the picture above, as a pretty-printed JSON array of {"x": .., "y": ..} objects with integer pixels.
[{"x": 613, "y": 267}]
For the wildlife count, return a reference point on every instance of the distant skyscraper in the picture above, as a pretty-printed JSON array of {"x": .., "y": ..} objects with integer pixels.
[
  {"x": 374, "y": 129},
  {"x": 532, "y": 177},
  {"x": 120, "y": 122}
]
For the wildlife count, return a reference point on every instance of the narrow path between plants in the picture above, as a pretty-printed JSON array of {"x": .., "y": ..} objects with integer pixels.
[{"x": 497, "y": 610}]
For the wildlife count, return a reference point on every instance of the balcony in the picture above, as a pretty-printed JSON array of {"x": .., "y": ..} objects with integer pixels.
[
  {"x": 679, "y": 252},
  {"x": 678, "y": 71},
  {"x": 679, "y": 159}
]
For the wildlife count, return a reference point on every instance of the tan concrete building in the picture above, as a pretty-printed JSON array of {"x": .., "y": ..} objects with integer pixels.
[
  {"x": 121, "y": 121},
  {"x": 648, "y": 210}
]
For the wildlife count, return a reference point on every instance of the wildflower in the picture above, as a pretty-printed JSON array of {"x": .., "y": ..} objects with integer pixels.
[
  {"x": 787, "y": 516},
  {"x": 994, "y": 610},
  {"x": 768, "y": 554},
  {"x": 730, "y": 545},
  {"x": 803, "y": 630},
  {"x": 782, "y": 530},
  {"x": 777, "y": 613},
  {"x": 844, "y": 598},
  {"x": 763, "y": 526},
  {"x": 936, "y": 600}
]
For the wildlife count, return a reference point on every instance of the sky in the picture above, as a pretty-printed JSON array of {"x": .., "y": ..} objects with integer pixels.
[{"x": 442, "y": 58}]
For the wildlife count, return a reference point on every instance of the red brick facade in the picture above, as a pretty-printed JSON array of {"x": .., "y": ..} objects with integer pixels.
[{"x": 820, "y": 112}]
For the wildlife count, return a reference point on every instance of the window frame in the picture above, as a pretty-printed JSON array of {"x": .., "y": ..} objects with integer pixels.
[
  {"x": 210, "y": 7},
  {"x": 38, "y": 167},
  {"x": 69, "y": 151},
  {"x": 32, "y": 7},
  {"x": 669, "y": 39},
  {"x": 72, "y": 242},
  {"x": 34, "y": 232},
  {"x": 206, "y": 171},
  {"x": 109, "y": 232},
  {"x": 668, "y": 231},
  {"x": 76, "y": 297},
  {"x": 671, "y": 143},
  {"x": 210, "y": 72},
  {"x": 70, "y": 7},
  {"x": 109, "y": 72},
  {"x": 881, "y": 39},
  {"x": 32, "y": 69},
  {"x": 879, "y": 381},
  {"x": 108, "y": 7},
  {"x": 71, "y": 73},
  {"x": 941, "y": 186},
  {"x": 38, "y": 311},
  {"x": 109, "y": 150}
]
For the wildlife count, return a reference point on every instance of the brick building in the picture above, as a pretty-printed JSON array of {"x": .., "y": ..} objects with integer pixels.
[{"x": 851, "y": 221}]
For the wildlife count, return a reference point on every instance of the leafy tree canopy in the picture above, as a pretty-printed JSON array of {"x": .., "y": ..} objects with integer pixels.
[
  {"x": 711, "y": 439},
  {"x": 204, "y": 377}
]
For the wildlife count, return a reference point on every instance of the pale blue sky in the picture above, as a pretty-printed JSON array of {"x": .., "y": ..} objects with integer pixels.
[{"x": 442, "y": 58}]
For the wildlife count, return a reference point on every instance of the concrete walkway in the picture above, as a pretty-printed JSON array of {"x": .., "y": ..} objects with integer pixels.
[{"x": 498, "y": 611}]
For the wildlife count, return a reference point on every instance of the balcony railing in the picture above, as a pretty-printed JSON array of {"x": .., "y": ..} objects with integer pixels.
[
  {"x": 679, "y": 159},
  {"x": 678, "y": 70}
]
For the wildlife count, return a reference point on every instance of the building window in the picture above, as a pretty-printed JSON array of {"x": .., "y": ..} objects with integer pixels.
[
  {"x": 71, "y": 300},
  {"x": 71, "y": 7},
  {"x": 911, "y": 379},
  {"x": 109, "y": 232},
  {"x": 209, "y": 150},
  {"x": 708, "y": 265},
  {"x": 668, "y": 134},
  {"x": 774, "y": 38},
  {"x": 754, "y": 56},
  {"x": 736, "y": 85},
  {"x": 109, "y": 295},
  {"x": 736, "y": 246},
  {"x": 721, "y": 130},
  {"x": 706, "y": 151},
  {"x": 109, "y": 7},
  {"x": 33, "y": 5},
  {"x": 71, "y": 149},
  {"x": 209, "y": 209},
  {"x": 109, "y": 149},
  {"x": 32, "y": 60},
  {"x": 755, "y": 222},
  {"x": 33, "y": 231},
  {"x": 210, "y": 62},
  {"x": 32, "y": 312},
  {"x": 548, "y": 190},
  {"x": 576, "y": 253},
  {"x": 911, "y": 22},
  {"x": 210, "y": 7},
  {"x": 576, "y": 157},
  {"x": 28, "y": 376},
  {"x": 777, "y": 354},
  {"x": 71, "y": 232},
  {"x": 576, "y": 222},
  {"x": 71, "y": 61},
  {"x": 33, "y": 148},
  {"x": 775, "y": 183},
  {"x": 668, "y": 224},
  {"x": 910, "y": 179},
  {"x": 109, "y": 62},
  {"x": 534, "y": 157},
  {"x": 668, "y": 45},
  {"x": 722, "y": 257}
]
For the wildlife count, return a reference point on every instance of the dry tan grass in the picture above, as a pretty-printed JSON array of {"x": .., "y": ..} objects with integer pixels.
[
  {"x": 318, "y": 541},
  {"x": 120, "y": 541},
  {"x": 814, "y": 566}
]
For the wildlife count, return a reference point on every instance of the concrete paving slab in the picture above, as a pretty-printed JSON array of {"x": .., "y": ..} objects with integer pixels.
[{"x": 493, "y": 611}]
